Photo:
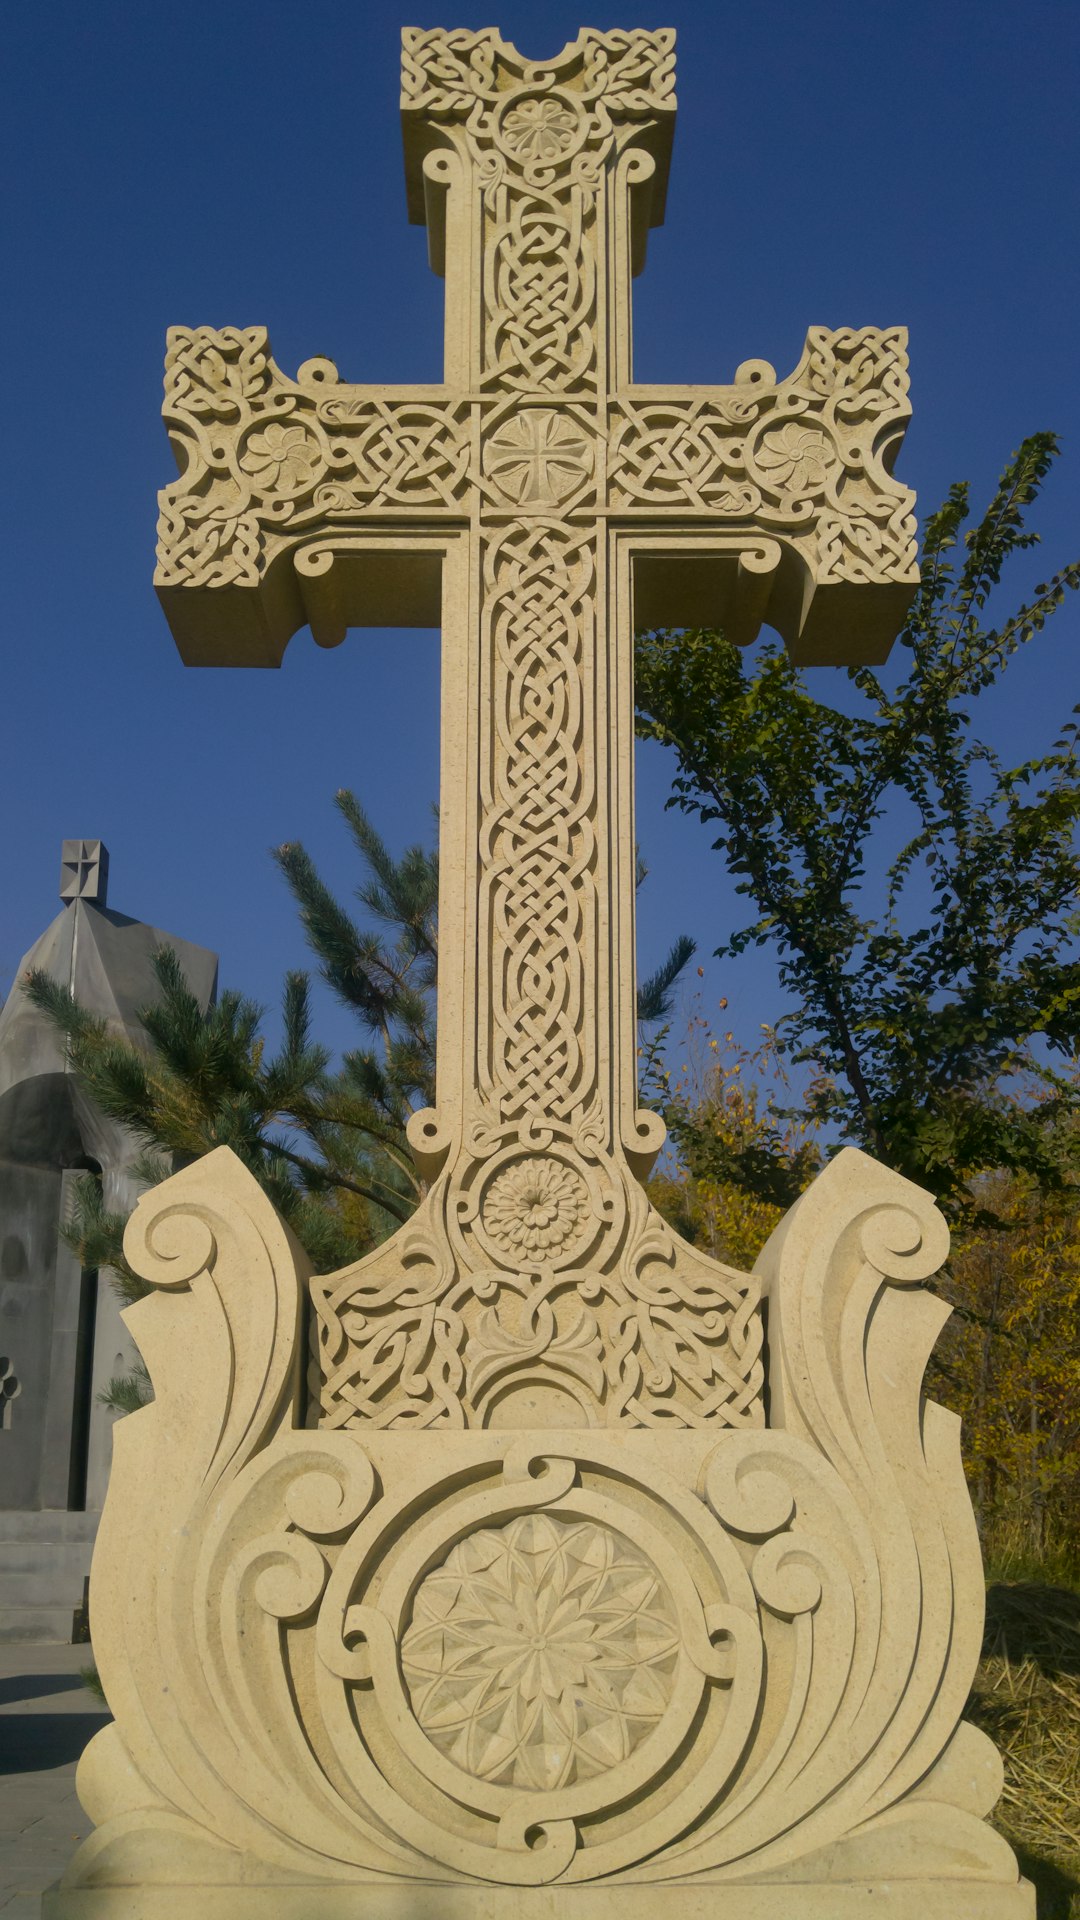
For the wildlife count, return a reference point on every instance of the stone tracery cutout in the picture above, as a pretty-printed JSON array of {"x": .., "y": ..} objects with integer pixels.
[{"x": 552, "y": 1597}]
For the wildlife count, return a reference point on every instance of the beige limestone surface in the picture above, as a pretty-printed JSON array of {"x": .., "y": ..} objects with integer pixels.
[{"x": 578, "y": 1570}]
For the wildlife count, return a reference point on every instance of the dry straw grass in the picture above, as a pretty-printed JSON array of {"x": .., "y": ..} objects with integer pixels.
[{"x": 1027, "y": 1698}]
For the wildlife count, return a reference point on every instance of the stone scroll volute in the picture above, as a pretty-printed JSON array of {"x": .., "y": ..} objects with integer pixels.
[{"x": 757, "y": 1643}]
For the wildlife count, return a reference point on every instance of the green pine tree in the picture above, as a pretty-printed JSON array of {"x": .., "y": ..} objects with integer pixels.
[{"x": 328, "y": 1146}]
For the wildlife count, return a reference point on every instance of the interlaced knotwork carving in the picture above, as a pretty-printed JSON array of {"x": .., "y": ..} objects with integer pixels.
[
  {"x": 444, "y": 72},
  {"x": 266, "y": 458},
  {"x": 539, "y": 1269},
  {"x": 539, "y": 318},
  {"x": 536, "y": 1266},
  {"x": 528, "y": 1656},
  {"x": 537, "y": 889},
  {"x": 539, "y": 134},
  {"x": 806, "y": 457}
]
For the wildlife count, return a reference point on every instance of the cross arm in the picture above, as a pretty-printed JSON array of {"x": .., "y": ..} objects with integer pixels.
[
  {"x": 299, "y": 501},
  {"x": 804, "y": 465}
]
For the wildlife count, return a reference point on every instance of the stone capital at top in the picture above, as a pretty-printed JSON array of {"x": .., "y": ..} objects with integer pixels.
[{"x": 537, "y": 114}]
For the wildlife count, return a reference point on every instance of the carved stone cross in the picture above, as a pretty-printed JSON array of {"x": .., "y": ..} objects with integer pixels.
[
  {"x": 539, "y": 506},
  {"x": 618, "y": 1642}
]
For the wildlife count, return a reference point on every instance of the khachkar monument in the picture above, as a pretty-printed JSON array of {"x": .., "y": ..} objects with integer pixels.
[{"x": 563, "y": 1582}]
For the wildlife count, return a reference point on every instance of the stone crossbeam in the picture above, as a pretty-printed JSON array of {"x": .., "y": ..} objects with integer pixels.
[{"x": 538, "y": 506}]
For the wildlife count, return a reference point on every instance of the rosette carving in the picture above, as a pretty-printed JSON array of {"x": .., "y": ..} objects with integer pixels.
[
  {"x": 809, "y": 457},
  {"x": 534, "y": 1208},
  {"x": 532, "y": 1272},
  {"x": 265, "y": 458},
  {"x": 541, "y": 1653}
]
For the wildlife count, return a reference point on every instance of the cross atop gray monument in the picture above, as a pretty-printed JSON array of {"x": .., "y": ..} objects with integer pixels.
[{"x": 84, "y": 871}]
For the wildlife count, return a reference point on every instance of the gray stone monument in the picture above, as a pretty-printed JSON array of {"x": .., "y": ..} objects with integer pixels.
[{"x": 61, "y": 1336}]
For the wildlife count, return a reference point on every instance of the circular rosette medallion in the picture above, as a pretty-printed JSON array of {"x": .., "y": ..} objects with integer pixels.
[
  {"x": 541, "y": 1653},
  {"x": 527, "y": 1651},
  {"x": 535, "y": 1212},
  {"x": 540, "y": 130},
  {"x": 538, "y": 456},
  {"x": 797, "y": 458},
  {"x": 282, "y": 457}
]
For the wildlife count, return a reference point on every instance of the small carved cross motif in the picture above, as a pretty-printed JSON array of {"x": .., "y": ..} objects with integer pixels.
[
  {"x": 84, "y": 871},
  {"x": 539, "y": 505},
  {"x": 538, "y": 455}
]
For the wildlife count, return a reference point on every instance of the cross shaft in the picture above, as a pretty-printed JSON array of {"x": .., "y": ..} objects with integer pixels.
[{"x": 537, "y": 506}]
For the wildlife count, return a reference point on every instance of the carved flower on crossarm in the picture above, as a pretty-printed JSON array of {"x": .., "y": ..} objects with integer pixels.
[
  {"x": 799, "y": 455},
  {"x": 539, "y": 130},
  {"x": 542, "y": 1652},
  {"x": 281, "y": 459},
  {"x": 534, "y": 1207}
]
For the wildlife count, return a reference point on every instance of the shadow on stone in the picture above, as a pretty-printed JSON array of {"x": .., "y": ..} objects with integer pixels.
[
  {"x": 34, "y": 1742},
  {"x": 1057, "y": 1892},
  {"x": 35, "y": 1686}
]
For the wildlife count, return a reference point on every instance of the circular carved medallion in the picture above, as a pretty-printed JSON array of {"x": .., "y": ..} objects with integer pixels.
[
  {"x": 537, "y": 455},
  {"x": 541, "y": 1653},
  {"x": 798, "y": 457},
  {"x": 535, "y": 1210},
  {"x": 540, "y": 129},
  {"x": 282, "y": 457}
]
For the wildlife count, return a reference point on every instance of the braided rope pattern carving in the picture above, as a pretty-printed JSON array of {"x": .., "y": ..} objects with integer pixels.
[
  {"x": 540, "y": 280},
  {"x": 539, "y": 134},
  {"x": 536, "y": 1265},
  {"x": 538, "y": 891}
]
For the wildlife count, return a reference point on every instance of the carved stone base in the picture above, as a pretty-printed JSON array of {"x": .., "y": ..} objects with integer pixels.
[
  {"x": 544, "y": 1673},
  {"x": 889, "y": 1899}
]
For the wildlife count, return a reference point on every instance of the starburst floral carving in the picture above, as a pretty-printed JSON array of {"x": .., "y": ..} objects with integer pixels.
[
  {"x": 534, "y": 1207},
  {"x": 281, "y": 459},
  {"x": 541, "y": 1653},
  {"x": 797, "y": 455}
]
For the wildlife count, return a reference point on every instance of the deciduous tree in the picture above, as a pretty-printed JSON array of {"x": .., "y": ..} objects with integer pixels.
[{"x": 922, "y": 984}]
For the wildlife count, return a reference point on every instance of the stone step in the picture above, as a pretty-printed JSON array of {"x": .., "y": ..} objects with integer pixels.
[
  {"x": 44, "y": 1560},
  {"x": 48, "y": 1523}
]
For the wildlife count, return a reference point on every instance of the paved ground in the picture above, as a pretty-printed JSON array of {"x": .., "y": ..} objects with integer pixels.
[{"x": 46, "y": 1718}]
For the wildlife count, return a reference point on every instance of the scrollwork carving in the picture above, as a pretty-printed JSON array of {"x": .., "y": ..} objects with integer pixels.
[
  {"x": 375, "y": 1669},
  {"x": 542, "y": 1600},
  {"x": 625, "y": 1323}
]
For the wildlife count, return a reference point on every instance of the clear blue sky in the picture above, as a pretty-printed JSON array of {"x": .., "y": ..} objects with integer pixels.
[{"x": 838, "y": 163}]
